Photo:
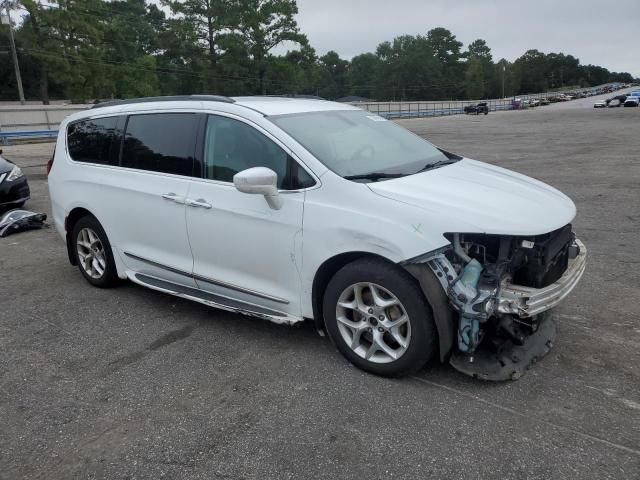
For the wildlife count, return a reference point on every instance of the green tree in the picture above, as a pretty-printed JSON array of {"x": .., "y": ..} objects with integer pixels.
[
  {"x": 504, "y": 70},
  {"x": 305, "y": 69},
  {"x": 408, "y": 70},
  {"x": 68, "y": 42},
  {"x": 532, "y": 68},
  {"x": 363, "y": 71},
  {"x": 334, "y": 76},
  {"x": 131, "y": 44},
  {"x": 474, "y": 79},
  {"x": 447, "y": 49},
  {"x": 265, "y": 24},
  {"x": 213, "y": 25},
  {"x": 479, "y": 58}
]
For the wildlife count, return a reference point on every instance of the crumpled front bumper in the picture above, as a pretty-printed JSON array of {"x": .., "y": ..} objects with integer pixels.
[{"x": 528, "y": 302}]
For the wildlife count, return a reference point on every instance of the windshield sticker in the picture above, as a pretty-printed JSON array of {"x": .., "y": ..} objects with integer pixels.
[{"x": 376, "y": 118}]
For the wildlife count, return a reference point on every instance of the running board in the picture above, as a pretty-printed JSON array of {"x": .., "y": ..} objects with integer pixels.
[{"x": 212, "y": 299}]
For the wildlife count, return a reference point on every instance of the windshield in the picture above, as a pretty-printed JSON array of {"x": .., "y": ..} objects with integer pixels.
[{"x": 361, "y": 146}]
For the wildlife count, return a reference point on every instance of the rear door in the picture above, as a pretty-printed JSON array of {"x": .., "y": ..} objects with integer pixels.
[{"x": 149, "y": 190}]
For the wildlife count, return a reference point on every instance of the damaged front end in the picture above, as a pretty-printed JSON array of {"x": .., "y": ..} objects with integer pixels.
[{"x": 502, "y": 289}]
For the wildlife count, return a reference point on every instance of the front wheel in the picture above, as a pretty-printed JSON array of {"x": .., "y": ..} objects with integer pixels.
[{"x": 378, "y": 318}]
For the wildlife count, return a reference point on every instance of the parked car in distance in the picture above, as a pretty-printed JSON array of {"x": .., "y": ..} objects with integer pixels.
[
  {"x": 290, "y": 209},
  {"x": 620, "y": 98},
  {"x": 14, "y": 188},
  {"x": 534, "y": 102},
  {"x": 544, "y": 101},
  {"x": 632, "y": 101},
  {"x": 613, "y": 103},
  {"x": 477, "y": 109},
  {"x": 600, "y": 104}
]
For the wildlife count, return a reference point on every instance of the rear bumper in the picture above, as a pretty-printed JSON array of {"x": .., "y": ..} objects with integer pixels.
[{"x": 528, "y": 302}]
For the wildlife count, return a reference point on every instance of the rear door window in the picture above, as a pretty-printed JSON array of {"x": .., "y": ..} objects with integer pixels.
[
  {"x": 92, "y": 140},
  {"x": 163, "y": 142}
]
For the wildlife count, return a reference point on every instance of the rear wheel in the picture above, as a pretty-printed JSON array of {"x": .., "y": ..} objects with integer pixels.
[
  {"x": 93, "y": 253},
  {"x": 378, "y": 318}
]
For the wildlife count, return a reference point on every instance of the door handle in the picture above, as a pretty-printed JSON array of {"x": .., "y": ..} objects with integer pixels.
[
  {"x": 201, "y": 202},
  {"x": 173, "y": 197}
]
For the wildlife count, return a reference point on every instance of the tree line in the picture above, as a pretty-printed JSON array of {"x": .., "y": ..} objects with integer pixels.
[{"x": 94, "y": 49}]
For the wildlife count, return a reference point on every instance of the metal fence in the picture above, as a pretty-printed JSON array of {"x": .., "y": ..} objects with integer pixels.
[{"x": 441, "y": 108}]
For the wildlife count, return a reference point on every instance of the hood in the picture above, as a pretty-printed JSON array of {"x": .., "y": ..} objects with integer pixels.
[
  {"x": 487, "y": 198},
  {"x": 5, "y": 165}
]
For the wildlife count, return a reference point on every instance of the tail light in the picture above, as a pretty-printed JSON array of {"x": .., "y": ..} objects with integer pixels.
[{"x": 50, "y": 162}]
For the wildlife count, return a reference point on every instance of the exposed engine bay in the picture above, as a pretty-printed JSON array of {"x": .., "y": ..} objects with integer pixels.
[{"x": 502, "y": 288}]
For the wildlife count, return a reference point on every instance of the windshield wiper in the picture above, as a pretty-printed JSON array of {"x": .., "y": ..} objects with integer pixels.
[
  {"x": 375, "y": 176},
  {"x": 438, "y": 164}
]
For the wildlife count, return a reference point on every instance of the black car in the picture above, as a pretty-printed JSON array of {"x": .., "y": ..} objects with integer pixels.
[
  {"x": 622, "y": 99},
  {"x": 14, "y": 189},
  {"x": 477, "y": 109}
]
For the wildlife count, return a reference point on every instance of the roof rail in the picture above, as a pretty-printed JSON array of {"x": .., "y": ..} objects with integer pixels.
[
  {"x": 298, "y": 95},
  {"x": 169, "y": 98}
]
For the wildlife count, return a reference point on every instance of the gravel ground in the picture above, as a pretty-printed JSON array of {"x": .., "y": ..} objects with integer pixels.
[{"x": 131, "y": 383}]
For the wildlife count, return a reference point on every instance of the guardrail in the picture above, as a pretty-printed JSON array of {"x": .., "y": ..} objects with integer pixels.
[{"x": 5, "y": 137}]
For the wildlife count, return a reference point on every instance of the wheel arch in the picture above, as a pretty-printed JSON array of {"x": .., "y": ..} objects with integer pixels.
[
  {"x": 323, "y": 275},
  {"x": 443, "y": 315},
  {"x": 436, "y": 297},
  {"x": 69, "y": 222}
]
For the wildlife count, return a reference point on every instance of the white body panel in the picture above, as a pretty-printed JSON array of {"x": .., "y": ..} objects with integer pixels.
[
  {"x": 242, "y": 242},
  {"x": 269, "y": 257}
]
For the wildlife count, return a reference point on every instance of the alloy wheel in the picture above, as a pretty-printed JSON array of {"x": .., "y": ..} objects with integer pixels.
[
  {"x": 373, "y": 322},
  {"x": 91, "y": 253}
]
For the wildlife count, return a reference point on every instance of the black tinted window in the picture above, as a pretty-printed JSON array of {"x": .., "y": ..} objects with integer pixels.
[
  {"x": 91, "y": 140},
  {"x": 163, "y": 142},
  {"x": 299, "y": 177}
]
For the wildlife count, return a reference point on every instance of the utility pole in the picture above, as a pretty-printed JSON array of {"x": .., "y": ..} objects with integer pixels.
[
  {"x": 504, "y": 67},
  {"x": 14, "y": 54}
]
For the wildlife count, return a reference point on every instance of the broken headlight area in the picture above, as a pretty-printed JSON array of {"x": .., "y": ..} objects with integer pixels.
[
  {"x": 16, "y": 221},
  {"x": 502, "y": 288}
]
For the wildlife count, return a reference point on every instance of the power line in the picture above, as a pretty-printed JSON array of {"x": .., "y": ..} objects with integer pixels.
[{"x": 160, "y": 70}]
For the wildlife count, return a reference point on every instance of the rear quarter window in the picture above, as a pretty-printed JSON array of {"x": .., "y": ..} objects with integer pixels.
[{"x": 92, "y": 140}]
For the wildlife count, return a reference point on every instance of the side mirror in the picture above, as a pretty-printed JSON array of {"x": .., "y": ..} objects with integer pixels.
[{"x": 260, "y": 181}]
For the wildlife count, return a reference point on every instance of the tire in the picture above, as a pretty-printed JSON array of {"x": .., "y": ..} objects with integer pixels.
[
  {"x": 361, "y": 326},
  {"x": 100, "y": 268}
]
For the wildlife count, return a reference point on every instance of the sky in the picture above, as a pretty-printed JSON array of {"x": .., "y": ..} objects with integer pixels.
[{"x": 602, "y": 32}]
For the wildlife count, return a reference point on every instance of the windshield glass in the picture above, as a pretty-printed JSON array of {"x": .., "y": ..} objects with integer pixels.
[{"x": 359, "y": 145}]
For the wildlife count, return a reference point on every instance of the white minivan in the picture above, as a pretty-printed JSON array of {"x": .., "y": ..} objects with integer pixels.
[{"x": 296, "y": 208}]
